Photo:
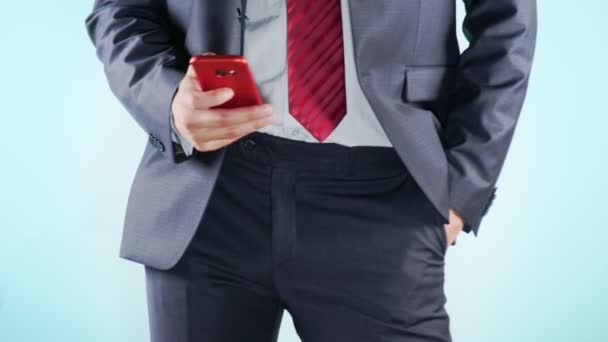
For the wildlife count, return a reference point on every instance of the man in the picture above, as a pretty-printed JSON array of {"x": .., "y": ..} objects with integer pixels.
[{"x": 337, "y": 202}]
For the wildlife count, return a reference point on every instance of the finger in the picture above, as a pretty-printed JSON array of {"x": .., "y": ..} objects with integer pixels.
[
  {"x": 448, "y": 237},
  {"x": 203, "y": 100},
  {"x": 190, "y": 82},
  {"x": 190, "y": 72},
  {"x": 236, "y": 131},
  {"x": 225, "y": 118},
  {"x": 216, "y": 144},
  {"x": 215, "y": 97}
]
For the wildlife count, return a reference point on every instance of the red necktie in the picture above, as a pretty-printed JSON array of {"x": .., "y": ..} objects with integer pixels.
[{"x": 315, "y": 62}]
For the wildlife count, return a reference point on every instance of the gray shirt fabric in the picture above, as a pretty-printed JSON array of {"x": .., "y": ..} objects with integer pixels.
[{"x": 265, "y": 49}]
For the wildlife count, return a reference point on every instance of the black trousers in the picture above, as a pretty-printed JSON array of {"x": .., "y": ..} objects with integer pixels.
[{"x": 341, "y": 237}]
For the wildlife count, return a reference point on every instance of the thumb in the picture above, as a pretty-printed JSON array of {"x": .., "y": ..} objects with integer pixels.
[{"x": 190, "y": 72}]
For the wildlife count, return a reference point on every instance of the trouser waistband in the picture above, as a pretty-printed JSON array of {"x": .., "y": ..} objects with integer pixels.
[{"x": 326, "y": 158}]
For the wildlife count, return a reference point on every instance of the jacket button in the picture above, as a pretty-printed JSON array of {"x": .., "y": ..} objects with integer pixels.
[{"x": 156, "y": 143}]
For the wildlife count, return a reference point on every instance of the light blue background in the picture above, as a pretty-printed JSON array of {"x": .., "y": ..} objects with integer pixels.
[{"x": 537, "y": 271}]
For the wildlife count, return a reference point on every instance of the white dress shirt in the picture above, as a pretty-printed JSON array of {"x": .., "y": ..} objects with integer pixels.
[
  {"x": 265, "y": 48},
  {"x": 266, "y": 51}
]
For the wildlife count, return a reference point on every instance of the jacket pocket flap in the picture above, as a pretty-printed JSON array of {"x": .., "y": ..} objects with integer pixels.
[{"x": 428, "y": 83}]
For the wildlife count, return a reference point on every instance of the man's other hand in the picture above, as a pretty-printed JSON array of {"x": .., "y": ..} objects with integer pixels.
[
  {"x": 453, "y": 228},
  {"x": 211, "y": 129}
]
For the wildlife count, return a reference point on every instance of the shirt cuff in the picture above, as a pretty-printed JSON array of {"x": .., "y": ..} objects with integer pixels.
[{"x": 186, "y": 147}]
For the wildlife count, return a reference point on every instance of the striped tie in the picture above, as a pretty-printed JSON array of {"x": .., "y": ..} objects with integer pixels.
[{"x": 315, "y": 60}]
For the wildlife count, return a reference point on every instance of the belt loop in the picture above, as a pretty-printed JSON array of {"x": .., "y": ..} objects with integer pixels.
[
  {"x": 263, "y": 147},
  {"x": 249, "y": 144}
]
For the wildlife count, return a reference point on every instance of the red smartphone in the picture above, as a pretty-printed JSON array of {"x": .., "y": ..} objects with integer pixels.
[{"x": 232, "y": 71}]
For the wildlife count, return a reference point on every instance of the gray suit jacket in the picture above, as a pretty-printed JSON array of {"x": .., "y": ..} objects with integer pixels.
[{"x": 450, "y": 116}]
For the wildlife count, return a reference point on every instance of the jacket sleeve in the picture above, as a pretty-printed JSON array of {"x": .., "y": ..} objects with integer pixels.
[
  {"x": 142, "y": 62},
  {"x": 484, "y": 109}
]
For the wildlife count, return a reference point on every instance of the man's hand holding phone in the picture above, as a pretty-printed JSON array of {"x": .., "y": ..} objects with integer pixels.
[{"x": 208, "y": 128}]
